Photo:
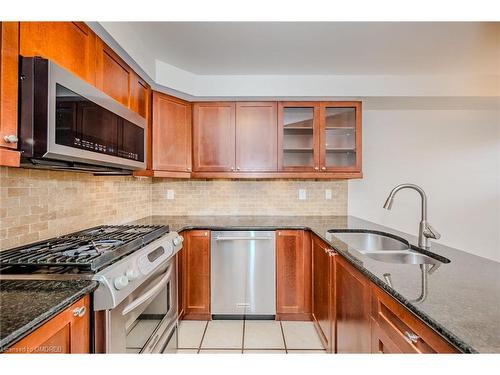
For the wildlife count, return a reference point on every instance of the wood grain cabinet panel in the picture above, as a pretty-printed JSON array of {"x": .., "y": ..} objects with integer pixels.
[
  {"x": 196, "y": 278},
  {"x": 321, "y": 294},
  {"x": 68, "y": 332},
  {"x": 140, "y": 99},
  {"x": 9, "y": 59},
  {"x": 256, "y": 137},
  {"x": 293, "y": 275},
  {"x": 214, "y": 137},
  {"x": 171, "y": 134},
  {"x": 69, "y": 44},
  {"x": 113, "y": 76},
  {"x": 352, "y": 291},
  {"x": 396, "y": 329}
]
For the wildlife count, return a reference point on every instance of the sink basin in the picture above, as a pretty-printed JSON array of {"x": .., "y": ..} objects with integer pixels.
[
  {"x": 366, "y": 242},
  {"x": 403, "y": 257}
]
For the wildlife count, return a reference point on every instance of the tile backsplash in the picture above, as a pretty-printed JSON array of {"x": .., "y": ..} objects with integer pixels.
[
  {"x": 243, "y": 197},
  {"x": 38, "y": 204}
]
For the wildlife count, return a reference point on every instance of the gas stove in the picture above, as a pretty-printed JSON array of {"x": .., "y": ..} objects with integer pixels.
[
  {"x": 119, "y": 257},
  {"x": 89, "y": 250},
  {"x": 135, "y": 266}
]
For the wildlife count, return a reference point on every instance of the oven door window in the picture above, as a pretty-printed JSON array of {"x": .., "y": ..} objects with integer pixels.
[{"x": 145, "y": 323}]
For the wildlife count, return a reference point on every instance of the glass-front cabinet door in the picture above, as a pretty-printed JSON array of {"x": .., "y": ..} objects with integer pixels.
[
  {"x": 340, "y": 136},
  {"x": 298, "y": 138}
]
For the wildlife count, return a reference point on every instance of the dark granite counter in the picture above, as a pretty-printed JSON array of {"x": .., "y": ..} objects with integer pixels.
[
  {"x": 463, "y": 301},
  {"x": 26, "y": 305}
]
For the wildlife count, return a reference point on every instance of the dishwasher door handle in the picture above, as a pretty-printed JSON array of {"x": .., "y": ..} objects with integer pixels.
[{"x": 243, "y": 238}]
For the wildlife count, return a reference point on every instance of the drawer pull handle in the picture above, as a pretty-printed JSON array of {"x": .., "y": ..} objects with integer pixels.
[
  {"x": 411, "y": 338},
  {"x": 79, "y": 311}
]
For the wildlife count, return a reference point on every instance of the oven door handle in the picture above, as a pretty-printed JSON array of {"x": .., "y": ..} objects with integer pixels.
[{"x": 149, "y": 294}]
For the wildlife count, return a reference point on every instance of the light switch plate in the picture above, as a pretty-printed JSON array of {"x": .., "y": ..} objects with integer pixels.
[
  {"x": 328, "y": 193},
  {"x": 302, "y": 194},
  {"x": 170, "y": 194}
]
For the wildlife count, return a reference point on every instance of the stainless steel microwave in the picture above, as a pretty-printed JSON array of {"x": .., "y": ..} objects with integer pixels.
[{"x": 66, "y": 123}]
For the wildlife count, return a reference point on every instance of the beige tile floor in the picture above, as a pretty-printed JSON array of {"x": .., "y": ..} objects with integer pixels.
[{"x": 248, "y": 337}]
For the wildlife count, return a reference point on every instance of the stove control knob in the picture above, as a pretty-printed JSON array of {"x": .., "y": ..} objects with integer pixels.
[
  {"x": 178, "y": 240},
  {"x": 132, "y": 274},
  {"x": 121, "y": 282}
]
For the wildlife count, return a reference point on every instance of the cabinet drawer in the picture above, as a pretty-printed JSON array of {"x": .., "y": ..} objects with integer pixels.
[{"x": 404, "y": 329}]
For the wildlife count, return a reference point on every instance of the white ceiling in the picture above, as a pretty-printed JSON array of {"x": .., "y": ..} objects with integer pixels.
[{"x": 327, "y": 48}]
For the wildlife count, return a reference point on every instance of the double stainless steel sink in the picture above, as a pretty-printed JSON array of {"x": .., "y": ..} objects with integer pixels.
[{"x": 383, "y": 247}]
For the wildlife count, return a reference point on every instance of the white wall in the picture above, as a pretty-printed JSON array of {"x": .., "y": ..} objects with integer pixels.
[{"x": 453, "y": 154}]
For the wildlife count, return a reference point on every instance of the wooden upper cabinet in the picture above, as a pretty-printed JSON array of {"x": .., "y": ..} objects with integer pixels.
[
  {"x": 340, "y": 137},
  {"x": 140, "y": 96},
  {"x": 67, "y": 332},
  {"x": 69, "y": 44},
  {"x": 171, "y": 134},
  {"x": 321, "y": 285},
  {"x": 113, "y": 76},
  {"x": 196, "y": 274},
  {"x": 352, "y": 291},
  {"x": 293, "y": 275},
  {"x": 214, "y": 137},
  {"x": 9, "y": 59},
  {"x": 298, "y": 136},
  {"x": 256, "y": 137}
]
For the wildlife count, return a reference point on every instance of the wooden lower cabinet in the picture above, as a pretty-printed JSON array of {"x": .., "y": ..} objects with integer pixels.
[
  {"x": 353, "y": 325},
  {"x": 68, "y": 332},
  {"x": 396, "y": 330},
  {"x": 293, "y": 275},
  {"x": 322, "y": 268},
  {"x": 195, "y": 275}
]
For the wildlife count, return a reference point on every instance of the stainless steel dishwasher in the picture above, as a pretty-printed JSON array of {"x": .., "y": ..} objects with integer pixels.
[{"x": 243, "y": 276}]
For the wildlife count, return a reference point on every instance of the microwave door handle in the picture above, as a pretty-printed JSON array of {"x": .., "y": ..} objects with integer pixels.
[
  {"x": 243, "y": 238},
  {"x": 149, "y": 294}
]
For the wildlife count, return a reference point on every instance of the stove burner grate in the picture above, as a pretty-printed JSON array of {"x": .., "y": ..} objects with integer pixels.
[{"x": 88, "y": 249}]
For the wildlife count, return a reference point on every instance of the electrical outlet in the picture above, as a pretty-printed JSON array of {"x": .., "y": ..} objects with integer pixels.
[
  {"x": 170, "y": 194},
  {"x": 328, "y": 193},
  {"x": 302, "y": 194}
]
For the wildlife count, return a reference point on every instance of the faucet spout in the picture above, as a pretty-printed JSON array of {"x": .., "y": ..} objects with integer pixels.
[{"x": 425, "y": 231}]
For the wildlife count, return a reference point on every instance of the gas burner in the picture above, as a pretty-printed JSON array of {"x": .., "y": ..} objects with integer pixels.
[
  {"x": 92, "y": 248},
  {"x": 138, "y": 230},
  {"x": 99, "y": 231}
]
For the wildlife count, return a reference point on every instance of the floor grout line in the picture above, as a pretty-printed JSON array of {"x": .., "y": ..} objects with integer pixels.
[
  {"x": 243, "y": 336},
  {"x": 202, "y": 337},
  {"x": 283, "y": 334}
]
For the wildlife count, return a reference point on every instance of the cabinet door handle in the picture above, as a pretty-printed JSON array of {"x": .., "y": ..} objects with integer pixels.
[
  {"x": 237, "y": 168},
  {"x": 79, "y": 311},
  {"x": 316, "y": 168},
  {"x": 10, "y": 138},
  {"x": 323, "y": 168},
  {"x": 232, "y": 168},
  {"x": 411, "y": 337}
]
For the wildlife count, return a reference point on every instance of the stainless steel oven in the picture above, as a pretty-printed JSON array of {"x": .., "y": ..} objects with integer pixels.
[{"x": 146, "y": 320}]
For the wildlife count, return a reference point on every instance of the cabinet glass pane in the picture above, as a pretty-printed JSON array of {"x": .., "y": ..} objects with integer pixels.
[
  {"x": 340, "y": 137},
  {"x": 298, "y": 136}
]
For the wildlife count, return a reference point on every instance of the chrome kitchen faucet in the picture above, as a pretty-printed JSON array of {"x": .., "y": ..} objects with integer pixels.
[{"x": 425, "y": 231}]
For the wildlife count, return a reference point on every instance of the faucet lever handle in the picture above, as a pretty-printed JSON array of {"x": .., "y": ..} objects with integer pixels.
[{"x": 430, "y": 232}]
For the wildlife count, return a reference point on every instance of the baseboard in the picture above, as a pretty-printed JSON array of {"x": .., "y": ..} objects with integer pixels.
[{"x": 294, "y": 316}]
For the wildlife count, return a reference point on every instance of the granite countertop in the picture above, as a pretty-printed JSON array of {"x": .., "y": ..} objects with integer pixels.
[
  {"x": 25, "y": 305},
  {"x": 463, "y": 301}
]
